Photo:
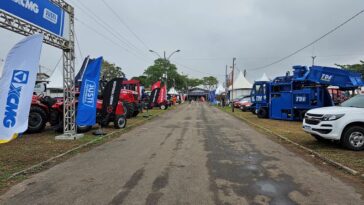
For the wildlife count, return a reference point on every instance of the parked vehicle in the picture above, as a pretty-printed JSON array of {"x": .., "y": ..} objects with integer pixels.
[
  {"x": 344, "y": 123},
  {"x": 45, "y": 109},
  {"x": 245, "y": 104},
  {"x": 130, "y": 96},
  {"x": 289, "y": 97}
]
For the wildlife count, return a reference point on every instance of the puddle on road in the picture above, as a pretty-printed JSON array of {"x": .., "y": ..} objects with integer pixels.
[{"x": 245, "y": 173}]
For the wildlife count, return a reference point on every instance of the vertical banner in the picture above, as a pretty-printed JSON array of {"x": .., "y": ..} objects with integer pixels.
[
  {"x": 17, "y": 85},
  {"x": 155, "y": 92},
  {"x": 86, "y": 110},
  {"x": 111, "y": 95},
  {"x": 162, "y": 95}
]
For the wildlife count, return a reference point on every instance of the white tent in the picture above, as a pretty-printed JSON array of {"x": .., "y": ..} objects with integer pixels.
[
  {"x": 242, "y": 87},
  {"x": 264, "y": 78},
  {"x": 220, "y": 90},
  {"x": 172, "y": 91}
]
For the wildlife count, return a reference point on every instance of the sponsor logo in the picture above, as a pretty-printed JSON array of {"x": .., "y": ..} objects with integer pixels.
[
  {"x": 301, "y": 98},
  {"x": 89, "y": 94},
  {"x": 259, "y": 98},
  {"x": 326, "y": 77},
  {"x": 50, "y": 16},
  {"x": 19, "y": 78},
  {"x": 28, "y": 4}
]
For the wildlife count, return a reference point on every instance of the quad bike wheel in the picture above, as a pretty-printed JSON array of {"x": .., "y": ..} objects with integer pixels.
[
  {"x": 119, "y": 122},
  {"x": 37, "y": 120}
]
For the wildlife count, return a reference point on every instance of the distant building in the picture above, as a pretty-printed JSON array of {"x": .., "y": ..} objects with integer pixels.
[
  {"x": 54, "y": 92},
  {"x": 196, "y": 93}
]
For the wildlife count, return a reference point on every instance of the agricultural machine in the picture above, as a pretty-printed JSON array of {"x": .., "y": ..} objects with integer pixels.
[
  {"x": 130, "y": 96},
  {"x": 289, "y": 97},
  {"x": 158, "y": 97}
]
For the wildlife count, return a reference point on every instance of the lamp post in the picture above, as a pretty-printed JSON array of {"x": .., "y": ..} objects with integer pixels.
[{"x": 165, "y": 61}]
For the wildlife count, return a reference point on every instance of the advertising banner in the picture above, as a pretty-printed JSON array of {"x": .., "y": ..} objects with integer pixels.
[
  {"x": 111, "y": 98},
  {"x": 41, "y": 13},
  {"x": 17, "y": 86},
  {"x": 162, "y": 95},
  {"x": 155, "y": 92},
  {"x": 86, "y": 111}
]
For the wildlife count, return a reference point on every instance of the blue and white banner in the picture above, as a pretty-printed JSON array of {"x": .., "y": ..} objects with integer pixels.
[
  {"x": 16, "y": 86},
  {"x": 86, "y": 111},
  {"x": 41, "y": 13}
]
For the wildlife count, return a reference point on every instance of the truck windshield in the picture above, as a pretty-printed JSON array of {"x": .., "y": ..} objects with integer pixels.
[{"x": 357, "y": 101}]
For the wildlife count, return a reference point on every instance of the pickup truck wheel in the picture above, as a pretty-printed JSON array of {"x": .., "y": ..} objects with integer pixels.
[{"x": 353, "y": 138}]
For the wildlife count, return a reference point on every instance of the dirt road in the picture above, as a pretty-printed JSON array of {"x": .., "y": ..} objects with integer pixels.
[{"x": 193, "y": 155}]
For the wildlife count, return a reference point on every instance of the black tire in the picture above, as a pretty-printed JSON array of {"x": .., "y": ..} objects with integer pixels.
[
  {"x": 262, "y": 113},
  {"x": 120, "y": 122},
  {"x": 253, "y": 110},
  {"x": 83, "y": 129},
  {"x": 353, "y": 138},
  {"x": 243, "y": 108},
  {"x": 136, "y": 110},
  {"x": 37, "y": 120},
  {"x": 302, "y": 115},
  {"x": 129, "y": 109},
  {"x": 163, "y": 107}
]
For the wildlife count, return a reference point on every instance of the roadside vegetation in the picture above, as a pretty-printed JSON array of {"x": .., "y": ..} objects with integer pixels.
[
  {"x": 294, "y": 132},
  {"x": 29, "y": 150}
]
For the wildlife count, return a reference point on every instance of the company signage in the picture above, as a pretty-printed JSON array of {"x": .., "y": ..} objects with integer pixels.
[
  {"x": 41, "y": 13},
  {"x": 17, "y": 85},
  {"x": 89, "y": 89}
]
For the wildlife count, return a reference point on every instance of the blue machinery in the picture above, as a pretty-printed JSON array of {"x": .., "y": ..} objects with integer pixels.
[{"x": 290, "y": 97}]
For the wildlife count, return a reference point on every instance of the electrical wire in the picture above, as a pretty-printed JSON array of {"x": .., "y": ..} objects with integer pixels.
[
  {"x": 310, "y": 44},
  {"x": 126, "y": 25},
  {"x": 111, "y": 30}
]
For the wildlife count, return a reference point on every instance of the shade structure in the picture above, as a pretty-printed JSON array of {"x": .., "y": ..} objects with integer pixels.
[
  {"x": 242, "y": 87},
  {"x": 220, "y": 90},
  {"x": 264, "y": 78},
  {"x": 172, "y": 91}
]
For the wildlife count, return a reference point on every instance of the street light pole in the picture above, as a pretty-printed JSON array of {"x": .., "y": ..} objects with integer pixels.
[
  {"x": 165, "y": 61},
  {"x": 232, "y": 87}
]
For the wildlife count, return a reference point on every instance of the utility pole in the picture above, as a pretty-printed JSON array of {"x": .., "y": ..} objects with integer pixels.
[
  {"x": 226, "y": 85},
  {"x": 232, "y": 87},
  {"x": 313, "y": 60}
]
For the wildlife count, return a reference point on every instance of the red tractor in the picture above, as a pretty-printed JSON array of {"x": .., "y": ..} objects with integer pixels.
[
  {"x": 45, "y": 109},
  {"x": 130, "y": 97}
]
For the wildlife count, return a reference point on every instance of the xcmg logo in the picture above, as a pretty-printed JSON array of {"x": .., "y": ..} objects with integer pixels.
[
  {"x": 89, "y": 93},
  {"x": 19, "y": 78},
  {"x": 28, "y": 4}
]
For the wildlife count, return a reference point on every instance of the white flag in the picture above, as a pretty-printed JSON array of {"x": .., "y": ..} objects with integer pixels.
[{"x": 17, "y": 85}]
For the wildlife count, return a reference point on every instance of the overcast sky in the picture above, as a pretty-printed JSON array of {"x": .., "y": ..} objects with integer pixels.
[{"x": 210, "y": 33}]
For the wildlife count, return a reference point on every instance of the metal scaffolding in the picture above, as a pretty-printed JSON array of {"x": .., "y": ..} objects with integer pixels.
[{"x": 22, "y": 27}]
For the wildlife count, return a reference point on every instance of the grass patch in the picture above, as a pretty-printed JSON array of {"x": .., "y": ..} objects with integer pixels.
[
  {"x": 32, "y": 149},
  {"x": 294, "y": 132}
]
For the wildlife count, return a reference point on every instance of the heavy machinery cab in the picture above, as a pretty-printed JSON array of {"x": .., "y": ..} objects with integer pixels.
[
  {"x": 133, "y": 85},
  {"x": 289, "y": 97}
]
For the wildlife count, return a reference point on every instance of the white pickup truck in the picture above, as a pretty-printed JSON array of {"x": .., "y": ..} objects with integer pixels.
[{"x": 344, "y": 123}]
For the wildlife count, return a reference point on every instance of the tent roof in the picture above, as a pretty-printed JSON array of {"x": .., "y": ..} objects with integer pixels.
[
  {"x": 220, "y": 90},
  {"x": 172, "y": 91},
  {"x": 240, "y": 82},
  {"x": 264, "y": 78}
]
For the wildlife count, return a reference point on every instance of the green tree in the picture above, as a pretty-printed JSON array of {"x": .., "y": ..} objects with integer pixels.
[
  {"x": 193, "y": 82},
  {"x": 359, "y": 67},
  {"x": 142, "y": 79},
  {"x": 210, "y": 82},
  {"x": 110, "y": 71}
]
